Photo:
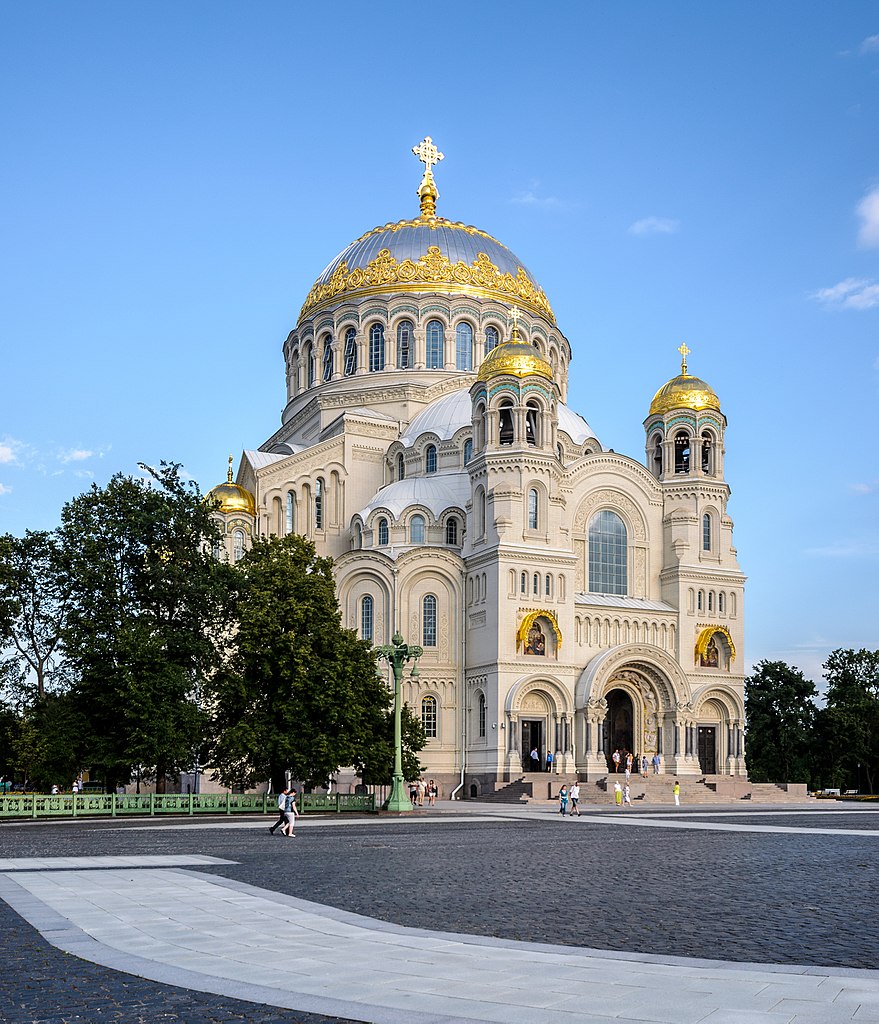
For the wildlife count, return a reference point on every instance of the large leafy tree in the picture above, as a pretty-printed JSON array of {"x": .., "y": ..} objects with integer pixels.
[
  {"x": 145, "y": 619},
  {"x": 780, "y": 714},
  {"x": 299, "y": 693},
  {"x": 377, "y": 766},
  {"x": 849, "y": 724}
]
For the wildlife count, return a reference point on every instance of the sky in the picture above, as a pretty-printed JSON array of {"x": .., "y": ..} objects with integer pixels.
[{"x": 175, "y": 177}]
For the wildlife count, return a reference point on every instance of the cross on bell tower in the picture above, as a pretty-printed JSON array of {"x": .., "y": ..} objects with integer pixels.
[{"x": 684, "y": 351}]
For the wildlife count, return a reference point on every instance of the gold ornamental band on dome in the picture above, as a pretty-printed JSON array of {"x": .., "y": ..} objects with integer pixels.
[
  {"x": 385, "y": 274},
  {"x": 705, "y": 638},
  {"x": 530, "y": 619},
  {"x": 516, "y": 358},
  {"x": 433, "y": 224}
]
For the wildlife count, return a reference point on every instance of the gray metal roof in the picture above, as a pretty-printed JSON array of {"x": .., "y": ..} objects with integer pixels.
[
  {"x": 617, "y": 601},
  {"x": 436, "y": 492}
]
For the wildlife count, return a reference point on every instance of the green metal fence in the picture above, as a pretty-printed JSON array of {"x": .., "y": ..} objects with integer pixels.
[{"x": 82, "y": 805}]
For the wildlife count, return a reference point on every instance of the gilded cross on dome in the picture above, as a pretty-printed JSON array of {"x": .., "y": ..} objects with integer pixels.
[
  {"x": 429, "y": 155},
  {"x": 515, "y": 313},
  {"x": 684, "y": 351},
  {"x": 229, "y": 471}
]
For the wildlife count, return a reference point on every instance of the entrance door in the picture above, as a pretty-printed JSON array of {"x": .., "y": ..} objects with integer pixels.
[
  {"x": 619, "y": 726},
  {"x": 532, "y": 736},
  {"x": 708, "y": 749}
]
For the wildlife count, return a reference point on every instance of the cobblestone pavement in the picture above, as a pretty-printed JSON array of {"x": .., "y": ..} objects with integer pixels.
[{"x": 786, "y": 898}]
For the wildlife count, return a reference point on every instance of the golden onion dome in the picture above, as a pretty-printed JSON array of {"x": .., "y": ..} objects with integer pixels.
[
  {"x": 232, "y": 497},
  {"x": 514, "y": 357},
  {"x": 684, "y": 392}
]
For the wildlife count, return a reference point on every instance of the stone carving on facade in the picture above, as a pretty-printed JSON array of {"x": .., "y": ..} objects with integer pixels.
[{"x": 613, "y": 499}]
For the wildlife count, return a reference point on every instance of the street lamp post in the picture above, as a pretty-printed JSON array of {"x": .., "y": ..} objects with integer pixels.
[{"x": 396, "y": 654}]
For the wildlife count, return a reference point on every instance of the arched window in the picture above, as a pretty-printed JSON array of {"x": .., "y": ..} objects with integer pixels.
[
  {"x": 711, "y": 600},
  {"x": 428, "y": 621},
  {"x": 480, "y": 427},
  {"x": 416, "y": 530},
  {"x": 707, "y": 451},
  {"x": 452, "y": 531},
  {"x": 435, "y": 337},
  {"x": 532, "y": 423},
  {"x": 706, "y": 532},
  {"x": 350, "y": 351},
  {"x": 290, "y": 514},
  {"x": 319, "y": 503},
  {"x": 382, "y": 531},
  {"x": 468, "y": 451},
  {"x": 309, "y": 365},
  {"x": 401, "y": 467},
  {"x": 608, "y": 554},
  {"x": 548, "y": 586},
  {"x": 328, "y": 358},
  {"x": 376, "y": 348},
  {"x": 700, "y": 600},
  {"x": 657, "y": 455},
  {"x": 523, "y": 583},
  {"x": 430, "y": 459},
  {"x": 491, "y": 338},
  {"x": 535, "y": 584},
  {"x": 237, "y": 545},
  {"x": 428, "y": 716},
  {"x": 682, "y": 452},
  {"x": 481, "y": 714},
  {"x": 358, "y": 537},
  {"x": 404, "y": 344},
  {"x": 721, "y": 602},
  {"x": 506, "y": 423},
  {"x": 464, "y": 347},
  {"x": 366, "y": 618},
  {"x": 533, "y": 509}
]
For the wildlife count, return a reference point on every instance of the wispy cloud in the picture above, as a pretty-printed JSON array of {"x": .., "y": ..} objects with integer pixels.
[
  {"x": 76, "y": 455},
  {"x": 852, "y": 549},
  {"x": 655, "y": 226},
  {"x": 6, "y": 453},
  {"x": 868, "y": 211},
  {"x": 869, "y": 45},
  {"x": 533, "y": 196},
  {"x": 12, "y": 451},
  {"x": 852, "y": 293},
  {"x": 4, "y": 489}
]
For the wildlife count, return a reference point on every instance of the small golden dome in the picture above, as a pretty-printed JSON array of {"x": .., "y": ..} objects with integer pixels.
[
  {"x": 232, "y": 497},
  {"x": 514, "y": 357},
  {"x": 684, "y": 392}
]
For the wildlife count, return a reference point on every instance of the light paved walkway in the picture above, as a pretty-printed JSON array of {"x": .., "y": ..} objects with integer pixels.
[{"x": 215, "y": 935}]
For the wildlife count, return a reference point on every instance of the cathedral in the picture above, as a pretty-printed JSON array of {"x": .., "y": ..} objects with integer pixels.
[{"x": 571, "y": 601}]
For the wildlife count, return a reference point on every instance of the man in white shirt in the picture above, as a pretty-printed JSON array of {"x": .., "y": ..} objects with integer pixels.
[
  {"x": 282, "y": 806},
  {"x": 574, "y": 794}
]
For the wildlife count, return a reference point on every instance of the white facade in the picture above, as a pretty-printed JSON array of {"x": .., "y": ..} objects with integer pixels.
[{"x": 567, "y": 597}]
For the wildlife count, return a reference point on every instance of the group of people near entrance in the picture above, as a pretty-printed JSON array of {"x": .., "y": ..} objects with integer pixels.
[
  {"x": 626, "y": 759},
  {"x": 419, "y": 789}
]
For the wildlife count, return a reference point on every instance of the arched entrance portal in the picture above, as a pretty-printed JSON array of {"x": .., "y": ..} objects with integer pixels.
[{"x": 618, "y": 725}]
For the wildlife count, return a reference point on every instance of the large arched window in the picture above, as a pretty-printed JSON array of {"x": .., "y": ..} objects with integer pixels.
[
  {"x": 430, "y": 459},
  {"x": 429, "y": 716},
  {"x": 435, "y": 337},
  {"x": 706, "y": 532},
  {"x": 464, "y": 347},
  {"x": 468, "y": 451},
  {"x": 328, "y": 358},
  {"x": 428, "y": 621},
  {"x": 657, "y": 455},
  {"x": 237, "y": 545},
  {"x": 481, "y": 714},
  {"x": 382, "y": 531},
  {"x": 608, "y": 554},
  {"x": 707, "y": 453},
  {"x": 452, "y": 531},
  {"x": 309, "y": 365},
  {"x": 319, "y": 503},
  {"x": 290, "y": 514},
  {"x": 401, "y": 467},
  {"x": 533, "y": 509},
  {"x": 366, "y": 617},
  {"x": 350, "y": 351},
  {"x": 376, "y": 348},
  {"x": 532, "y": 423},
  {"x": 404, "y": 344},
  {"x": 416, "y": 530},
  {"x": 682, "y": 452},
  {"x": 505, "y": 432},
  {"x": 491, "y": 339}
]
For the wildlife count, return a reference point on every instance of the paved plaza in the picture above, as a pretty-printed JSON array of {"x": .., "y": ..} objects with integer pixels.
[{"x": 466, "y": 913}]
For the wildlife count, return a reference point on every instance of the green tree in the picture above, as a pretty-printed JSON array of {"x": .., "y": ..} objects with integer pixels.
[
  {"x": 377, "y": 766},
  {"x": 145, "y": 621},
  {"x": 299, "y": 693},
  {"x": 780, "y": 714},
  {"x": 48, "y": 745},
  {"x": 850, "y": 720},
  {"x": 35, "y": 598}
]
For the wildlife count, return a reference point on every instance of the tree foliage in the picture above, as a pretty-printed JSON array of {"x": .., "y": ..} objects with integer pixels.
[
  {"x": 849, "y": 724},
  {"x": 780, "y": 715},
  {"x": 298, "y": 693}
]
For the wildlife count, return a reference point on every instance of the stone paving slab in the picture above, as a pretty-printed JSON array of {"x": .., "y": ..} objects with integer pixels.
[{"x": 224, "y": 936}]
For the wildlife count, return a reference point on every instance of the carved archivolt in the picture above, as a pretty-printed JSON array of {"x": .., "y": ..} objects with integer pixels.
[{"x": 614, "y": 500}]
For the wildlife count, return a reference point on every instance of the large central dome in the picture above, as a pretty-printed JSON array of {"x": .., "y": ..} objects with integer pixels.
[{"x": 428, "y": 254}]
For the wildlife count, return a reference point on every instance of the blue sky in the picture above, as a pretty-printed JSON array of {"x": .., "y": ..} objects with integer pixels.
[{"x": 175, "y": 176}]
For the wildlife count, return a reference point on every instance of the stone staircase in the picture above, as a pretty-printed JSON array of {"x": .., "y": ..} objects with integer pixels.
[{"x": 527, "y": 787}]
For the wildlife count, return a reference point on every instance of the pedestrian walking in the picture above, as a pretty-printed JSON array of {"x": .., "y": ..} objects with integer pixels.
[
  {"x": 549, "y": 760},
  {"x": 676, "y": 789},
  {"x": 431, "y": 793},
  {"x": 574, "y": 794},
  {"x": 616, "y": 760},
  {"x": 618, "y": 794},
  {"x": 290, "y": 815},
  {"x": 535, "y": 760},
  {"x": 627, "y": 796},
  {"x": 282, "y": 806},
  {"x": 629, "y": 762},
  {"x": 413, "y": 792},
  {"x": 644, "y": 766},
  {"x": 420, "y": 788},
  {"x": 563, "y": 801},
  {"x": 656, "y": 761}
]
